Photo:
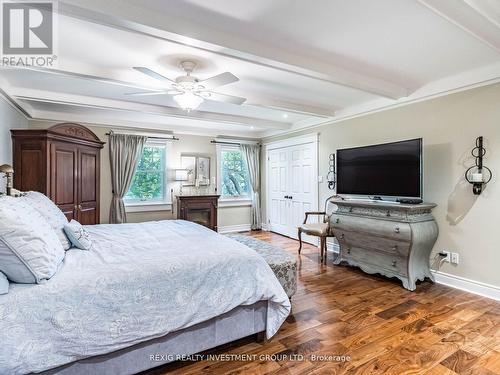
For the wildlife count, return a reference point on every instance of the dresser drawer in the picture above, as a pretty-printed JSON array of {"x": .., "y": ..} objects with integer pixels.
[
  {"x": 371, "y": 242},
  {"x": 392, "y": 263},
  {"x": 377, "y": 227}
]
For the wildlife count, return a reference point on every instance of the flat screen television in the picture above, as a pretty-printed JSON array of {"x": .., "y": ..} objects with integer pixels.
[{"x": 389, "y": 170}]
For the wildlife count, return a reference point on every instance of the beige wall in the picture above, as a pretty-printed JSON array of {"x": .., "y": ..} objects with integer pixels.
[
  {"x": 10, "y": 118},
  {"x": 187, "y": 144},
  {"x": 449, "y": 125}
]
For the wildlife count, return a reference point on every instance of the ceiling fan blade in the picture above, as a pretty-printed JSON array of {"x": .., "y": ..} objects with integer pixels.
[
  {"x": 219, "y": 80},
  {"x": 152, "y": 74},
  {"x": 222, "y": 97},
  {"x": 149, "y": 93}
]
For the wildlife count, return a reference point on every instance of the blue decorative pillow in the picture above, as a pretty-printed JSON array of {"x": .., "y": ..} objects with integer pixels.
[
  {"x": 78, "y": 235},
  {"x": 4, "y": 284}
]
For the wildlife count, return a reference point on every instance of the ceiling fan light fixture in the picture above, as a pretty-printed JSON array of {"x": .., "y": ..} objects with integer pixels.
[{"x": 188, "y": 101}]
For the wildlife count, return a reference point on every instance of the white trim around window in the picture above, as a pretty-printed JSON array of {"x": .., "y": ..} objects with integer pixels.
[
  {"x": 156, "y": 205},
  {"x": 245, "y": 200}
]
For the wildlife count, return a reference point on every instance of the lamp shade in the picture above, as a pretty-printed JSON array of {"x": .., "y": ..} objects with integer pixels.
[
  {"x": 181, "y": 175},
  {"x": 6, "y": 168}
]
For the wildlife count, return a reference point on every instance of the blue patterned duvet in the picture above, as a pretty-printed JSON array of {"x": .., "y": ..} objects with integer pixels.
[{"x": 138, "y": 282}]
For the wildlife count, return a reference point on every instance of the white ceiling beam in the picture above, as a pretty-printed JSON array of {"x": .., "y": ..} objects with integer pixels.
[
  {"x": 287, "y": 106},
  {"x": 120, "y": 105},
  {"x": 119, "y": 14},
  {"x": 471, "y": 16}
]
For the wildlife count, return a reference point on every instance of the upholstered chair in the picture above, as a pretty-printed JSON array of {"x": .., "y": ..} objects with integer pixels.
[{"x": 320, "y": 229}]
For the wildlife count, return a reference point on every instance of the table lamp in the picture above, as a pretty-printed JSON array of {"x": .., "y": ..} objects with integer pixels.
[{"x": 8, "y": 171}]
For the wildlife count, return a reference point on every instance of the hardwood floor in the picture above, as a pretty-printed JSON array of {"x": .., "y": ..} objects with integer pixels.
[{"x": 383, "y": 328}]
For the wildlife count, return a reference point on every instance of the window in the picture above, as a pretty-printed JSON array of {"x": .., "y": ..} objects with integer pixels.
[
  {"x": 149, "y": 182},
  {"x": 234, "y": 182}
]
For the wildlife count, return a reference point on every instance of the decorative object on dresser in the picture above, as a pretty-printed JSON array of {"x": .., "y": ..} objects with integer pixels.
[
  {"x": 62, "y": 162},
  {"x": 200, "y": 209},
  {"x": 392, "y": 239}
]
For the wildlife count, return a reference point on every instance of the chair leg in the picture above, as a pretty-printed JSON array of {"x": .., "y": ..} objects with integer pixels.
[
  {"x": 321, "y": 249},
  {"x": 300, "y": 241},
  {"x": 324, "y": 249}
]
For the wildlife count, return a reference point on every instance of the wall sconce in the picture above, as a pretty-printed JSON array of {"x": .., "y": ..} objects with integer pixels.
[
  {"x": 8, "y": 171},
  {"x": 475, "y": 175}
]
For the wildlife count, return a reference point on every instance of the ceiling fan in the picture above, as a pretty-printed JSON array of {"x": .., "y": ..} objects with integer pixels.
[{"x": 188, "y": 91}]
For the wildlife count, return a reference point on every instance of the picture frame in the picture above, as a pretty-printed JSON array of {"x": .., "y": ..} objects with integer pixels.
[{"x": 198, "y": 167}]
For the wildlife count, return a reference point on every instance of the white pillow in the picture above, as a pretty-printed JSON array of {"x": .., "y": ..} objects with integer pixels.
[
  {"x": 78, "y": 235},
  {"x": 4, "y": 284},
  {"x": 29, "y": 249},
  {"x": 52, "y": 214}
]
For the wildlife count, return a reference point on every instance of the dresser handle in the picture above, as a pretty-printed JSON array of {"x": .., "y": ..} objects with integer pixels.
[
  {"x": 395, "y": 247},
  {"x": 342, "y": 236},
  {"x": 388, "y": 213},
  {"x": 337, "y": 220},
  {"x": 394, "y": 263},
  {"x": 348, "y": 250},
  {"x": 396, "y": 229}
]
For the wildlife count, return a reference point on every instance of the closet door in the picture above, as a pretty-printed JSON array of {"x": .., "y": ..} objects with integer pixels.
[
  {"x": 303, "y": 186},
  {"x": 292, "y": 188},
  {"x": 88, "y": 185},
  {"x": 278, "y": 201},
  {"x": 63, "y": 180}
]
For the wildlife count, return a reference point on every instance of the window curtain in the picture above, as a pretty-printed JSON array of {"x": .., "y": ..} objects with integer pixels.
[
  {"x": 252, "y": 157},
  {"x": 125, "y": 151}
]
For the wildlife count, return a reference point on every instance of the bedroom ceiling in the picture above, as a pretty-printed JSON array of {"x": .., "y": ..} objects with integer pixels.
[{"x": 299, "y": 63}]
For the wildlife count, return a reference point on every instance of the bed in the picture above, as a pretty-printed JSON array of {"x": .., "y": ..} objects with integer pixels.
[{"x": 143, "y": 290}]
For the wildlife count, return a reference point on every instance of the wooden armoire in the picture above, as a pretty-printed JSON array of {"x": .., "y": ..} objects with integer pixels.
[{"x": 63, "y": 162}]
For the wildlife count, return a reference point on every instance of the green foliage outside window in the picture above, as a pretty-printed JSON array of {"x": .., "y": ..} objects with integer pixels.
[
  {"x": 148, "y": 182},
  {"x": 234, "y": 174}
]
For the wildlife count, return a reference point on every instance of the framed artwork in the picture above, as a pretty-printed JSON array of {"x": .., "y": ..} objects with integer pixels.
[
  {"x": 189, "y": 162},
  {"x": 198, "y": 167},
  {"x": 203, "y": 170}
]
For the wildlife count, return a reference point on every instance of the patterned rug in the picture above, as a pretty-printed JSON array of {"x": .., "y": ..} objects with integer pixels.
[{"x": 283, "y": 264}]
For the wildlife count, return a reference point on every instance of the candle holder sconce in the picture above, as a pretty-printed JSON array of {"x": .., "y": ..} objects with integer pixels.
[{"x": 476, "y": 175}]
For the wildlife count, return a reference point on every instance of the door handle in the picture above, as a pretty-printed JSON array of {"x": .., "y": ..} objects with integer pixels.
[{"x": 80, "y": 207}]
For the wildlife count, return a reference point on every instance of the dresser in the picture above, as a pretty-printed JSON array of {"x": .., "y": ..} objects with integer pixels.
[
  {"x": 62, "y": 162},
  {"x": 200, "y": 209},
  {"x": 391, "y": 239}
]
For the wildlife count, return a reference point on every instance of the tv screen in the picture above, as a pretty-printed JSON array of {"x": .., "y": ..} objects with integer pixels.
[{"x": 390, "y": 170}]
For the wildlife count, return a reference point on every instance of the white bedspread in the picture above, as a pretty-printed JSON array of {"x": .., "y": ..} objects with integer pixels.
[{"x": 139, "y": 282}]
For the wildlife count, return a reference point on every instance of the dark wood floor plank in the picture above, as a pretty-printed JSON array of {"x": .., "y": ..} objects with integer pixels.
[{"x": 384, "y": 328}]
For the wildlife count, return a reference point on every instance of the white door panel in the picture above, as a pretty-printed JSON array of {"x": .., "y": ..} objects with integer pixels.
[{"x": 293, "y": 188}]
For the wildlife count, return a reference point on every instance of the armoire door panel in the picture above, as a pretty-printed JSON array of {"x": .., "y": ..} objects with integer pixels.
[
  {"x": 64, "y": 174},
  {"x": 31, "y": 162},
  {"x": 88, "y": 168},
  {"x": 87, "y": 214}
]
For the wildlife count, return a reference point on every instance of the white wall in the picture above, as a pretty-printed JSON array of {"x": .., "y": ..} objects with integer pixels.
[
  {"x": 228, "y": 216},
  {"x": 468, "y": 224},
  {"x": 10, "y": 118}
]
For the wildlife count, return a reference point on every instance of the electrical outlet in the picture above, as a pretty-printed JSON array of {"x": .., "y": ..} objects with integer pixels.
[
  {"x": 320, "y": 179},
  {"x": 455, "y": 258},
  {"x": 448, "y": 256}
]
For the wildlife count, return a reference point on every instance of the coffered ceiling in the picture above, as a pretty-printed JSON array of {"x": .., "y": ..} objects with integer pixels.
[{"x": 299, "y": 63}]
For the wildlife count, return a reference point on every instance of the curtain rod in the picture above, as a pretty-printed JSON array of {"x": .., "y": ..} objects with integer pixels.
[
  {"x": 172, "y": 138},
  {"x": 228, "y": 143}
]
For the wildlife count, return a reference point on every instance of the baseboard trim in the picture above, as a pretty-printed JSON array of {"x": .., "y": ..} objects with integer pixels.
[
  {"x": 234, "y": 228},
  {"x": 467, "y": 285}
]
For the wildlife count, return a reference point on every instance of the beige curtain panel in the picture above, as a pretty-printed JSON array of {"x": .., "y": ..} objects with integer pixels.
[
  {"x": 125, "y": 151},
  {"x": 252, "y": 157}
]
